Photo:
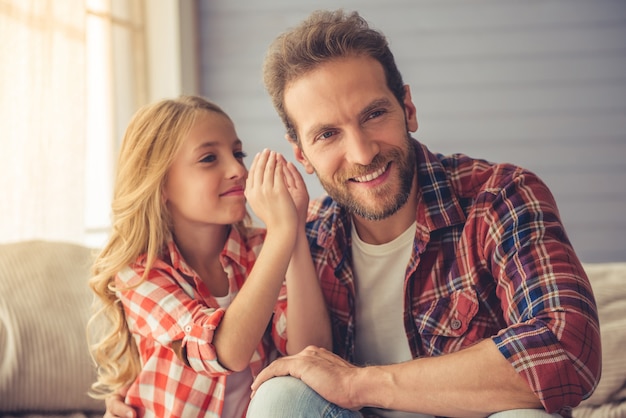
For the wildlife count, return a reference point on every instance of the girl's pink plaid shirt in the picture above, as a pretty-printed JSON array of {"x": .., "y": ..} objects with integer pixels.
[{"x": 174, "y": 304}]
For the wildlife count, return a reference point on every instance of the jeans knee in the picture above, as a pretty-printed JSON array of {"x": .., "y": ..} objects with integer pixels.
[
  {"x": 282, "y": 390},
  {"x": 278, "y": 397},
  {"x": 289, "y": 397}
]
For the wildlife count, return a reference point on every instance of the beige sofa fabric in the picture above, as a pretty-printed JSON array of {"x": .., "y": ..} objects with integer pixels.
[
  {"x": 609, "y": 287},
  {"x": 44, "y": 306}
]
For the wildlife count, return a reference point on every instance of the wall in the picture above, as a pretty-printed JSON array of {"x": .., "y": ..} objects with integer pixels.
[{"x": 538, "y": 83}]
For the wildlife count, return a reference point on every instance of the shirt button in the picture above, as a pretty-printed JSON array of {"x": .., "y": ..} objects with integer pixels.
[
  {"x": 188, "y": 328},
  {"x": 455, "y": 324}
]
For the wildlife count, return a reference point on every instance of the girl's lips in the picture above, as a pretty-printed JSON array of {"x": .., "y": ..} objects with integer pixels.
[{"x": 235, "y": 191}]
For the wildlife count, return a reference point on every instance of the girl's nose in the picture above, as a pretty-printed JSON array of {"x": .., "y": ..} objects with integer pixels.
[{"x": 236, "y": 169}]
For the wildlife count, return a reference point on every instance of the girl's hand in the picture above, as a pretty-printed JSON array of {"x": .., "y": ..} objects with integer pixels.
[
  {"x": 267, "y": 192},
  {"x": 297, "y": 190}
]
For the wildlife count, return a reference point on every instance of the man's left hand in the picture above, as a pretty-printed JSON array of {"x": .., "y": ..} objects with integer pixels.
[{"x": 324, "y": 372}]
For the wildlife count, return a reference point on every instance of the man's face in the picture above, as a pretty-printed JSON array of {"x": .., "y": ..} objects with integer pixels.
[{"x": 354, "y": 135}]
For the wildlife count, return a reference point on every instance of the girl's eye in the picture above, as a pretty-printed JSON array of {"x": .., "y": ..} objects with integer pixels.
[
  {"x": 240, "y": 155},
  {"x": 208, "y": 159}
]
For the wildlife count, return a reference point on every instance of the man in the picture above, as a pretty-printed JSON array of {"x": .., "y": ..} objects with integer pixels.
[
  {"x": 453, "y": 277},
  {"x": 452, "y": 287}
]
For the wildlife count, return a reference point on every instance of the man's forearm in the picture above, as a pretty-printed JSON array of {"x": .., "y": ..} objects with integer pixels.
[{"x": 473, "y": 382}]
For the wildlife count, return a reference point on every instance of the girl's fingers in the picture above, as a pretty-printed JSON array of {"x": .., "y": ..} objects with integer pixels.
[
  {"x": 288, "y": 175},
  {"x": 270, "y": 169},
  {"x": 261, "y": 163},
  {"x": 298, "y": 181},
  {"x": 252, "y": 171},
  {"x": 279, "y": 174}
]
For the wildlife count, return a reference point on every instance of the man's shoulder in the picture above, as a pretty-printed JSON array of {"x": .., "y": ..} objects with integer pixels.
[{"x": 470, "y": 175}]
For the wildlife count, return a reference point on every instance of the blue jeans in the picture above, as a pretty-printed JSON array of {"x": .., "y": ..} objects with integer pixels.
[{"x": 288, "y": 397}]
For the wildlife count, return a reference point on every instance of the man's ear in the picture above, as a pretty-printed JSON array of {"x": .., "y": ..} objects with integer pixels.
[
  {"x": 410, "y": 112},
  {"x": 300, "y": 157}
]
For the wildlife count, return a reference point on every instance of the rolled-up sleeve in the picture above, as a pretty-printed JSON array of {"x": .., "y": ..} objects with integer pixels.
[
  {"x": 553, "y": 337},
  {"x": 159, "y": 309}
]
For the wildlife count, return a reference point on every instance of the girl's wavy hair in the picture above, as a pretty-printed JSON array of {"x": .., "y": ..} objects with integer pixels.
[
  {"x": 141, "y": 225},
  {"x": 322, "y": 37}
]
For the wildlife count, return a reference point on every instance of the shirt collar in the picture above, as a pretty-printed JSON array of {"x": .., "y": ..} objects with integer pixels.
[
  {"x": 438, "y": 205},
  {"x": 234, "y": 249}
]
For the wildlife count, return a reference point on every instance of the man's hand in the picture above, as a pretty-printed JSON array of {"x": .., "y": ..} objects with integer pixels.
[
  {"x": 116, "y": 408},
  {"x": 326, "y": 373}
]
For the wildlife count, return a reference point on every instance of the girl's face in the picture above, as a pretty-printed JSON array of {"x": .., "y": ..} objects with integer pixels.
[{"x": 205, "y": 183}]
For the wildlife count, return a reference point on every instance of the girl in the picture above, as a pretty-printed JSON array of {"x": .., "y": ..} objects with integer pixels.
[{"x": 183, "y": 284}]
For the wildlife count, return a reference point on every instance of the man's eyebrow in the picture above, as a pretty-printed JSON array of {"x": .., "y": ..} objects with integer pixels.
[
  {"x": 378, "y": 103},
  {"x": 316, "y": 129}
]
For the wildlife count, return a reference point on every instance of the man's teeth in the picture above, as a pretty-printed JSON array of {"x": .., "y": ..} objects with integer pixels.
[{"x": 371, "y": 176}]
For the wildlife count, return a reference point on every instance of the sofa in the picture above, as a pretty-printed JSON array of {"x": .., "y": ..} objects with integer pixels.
[{"x": 46, "y": 371}]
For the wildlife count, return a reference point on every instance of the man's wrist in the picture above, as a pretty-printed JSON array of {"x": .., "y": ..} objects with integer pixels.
[{"x": 370, "y": 386}]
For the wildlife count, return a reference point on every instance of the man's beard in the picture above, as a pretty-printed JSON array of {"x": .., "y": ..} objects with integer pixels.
[{"x": 381, "y": 203}]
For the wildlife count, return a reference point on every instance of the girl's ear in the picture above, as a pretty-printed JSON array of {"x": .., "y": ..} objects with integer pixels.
[{"x": 300, "y": 157}]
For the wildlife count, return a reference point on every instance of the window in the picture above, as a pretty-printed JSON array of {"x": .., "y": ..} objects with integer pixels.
[{"x": 72, "y": 73}]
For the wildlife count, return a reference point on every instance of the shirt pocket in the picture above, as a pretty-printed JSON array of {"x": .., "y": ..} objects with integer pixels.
[{"x": 444, "y": 323}]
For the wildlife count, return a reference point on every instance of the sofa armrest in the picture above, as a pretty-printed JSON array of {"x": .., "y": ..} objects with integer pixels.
[{"x": 44, "y": 307}]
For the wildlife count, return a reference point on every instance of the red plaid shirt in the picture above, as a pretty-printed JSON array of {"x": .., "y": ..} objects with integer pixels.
[
  {"x": 490, "y": 260},
  {"x": 174, "y": 304}
]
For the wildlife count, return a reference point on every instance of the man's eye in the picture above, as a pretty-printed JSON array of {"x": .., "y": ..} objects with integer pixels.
[
  {"x": 208, "y": 159},
  {"x": 376, "y": 114},
  {"x": 326, "y": 135}
]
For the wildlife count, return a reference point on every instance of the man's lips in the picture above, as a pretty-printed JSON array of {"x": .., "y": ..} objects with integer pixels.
[{"x": 371, "y": 176}]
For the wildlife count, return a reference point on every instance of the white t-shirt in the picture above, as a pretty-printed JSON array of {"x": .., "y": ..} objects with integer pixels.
[
  {"x": 237, "y": 392},
  {"x": 379, "y": 272}
]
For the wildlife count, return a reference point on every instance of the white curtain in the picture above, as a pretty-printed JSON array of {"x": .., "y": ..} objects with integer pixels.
[
  {"x": 71, "y": 72},
  {"x": 42, "y": 111}
]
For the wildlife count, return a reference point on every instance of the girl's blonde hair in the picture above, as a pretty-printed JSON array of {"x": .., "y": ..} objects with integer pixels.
[{"x": 140, "y": 225}]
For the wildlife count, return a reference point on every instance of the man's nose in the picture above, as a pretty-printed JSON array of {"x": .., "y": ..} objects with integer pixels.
[{"x": 360, "y": 148}]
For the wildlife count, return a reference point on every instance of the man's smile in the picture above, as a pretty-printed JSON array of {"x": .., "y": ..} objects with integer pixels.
[{"x": 371, "y": 176}]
